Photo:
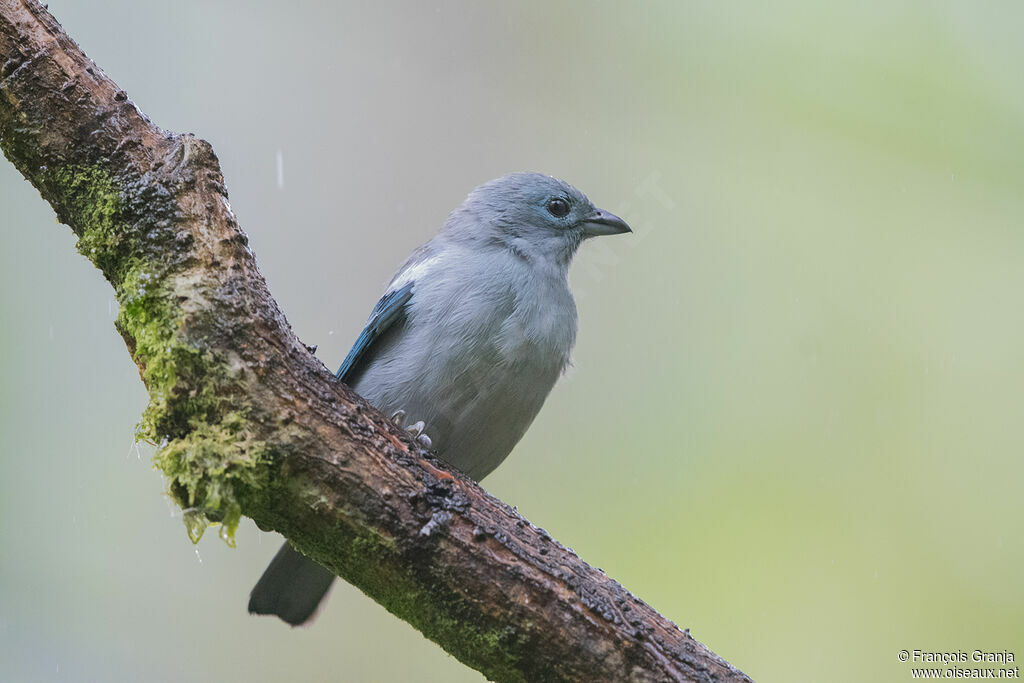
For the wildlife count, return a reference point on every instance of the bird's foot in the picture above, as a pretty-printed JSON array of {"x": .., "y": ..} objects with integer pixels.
[{"x": 415, "y": 430}]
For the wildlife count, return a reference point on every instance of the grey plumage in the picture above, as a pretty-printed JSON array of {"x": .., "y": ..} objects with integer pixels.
[{"x": 471, "y": 335}]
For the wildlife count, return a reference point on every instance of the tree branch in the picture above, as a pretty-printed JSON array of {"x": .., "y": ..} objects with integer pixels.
[{"x": 249, "y": 422}]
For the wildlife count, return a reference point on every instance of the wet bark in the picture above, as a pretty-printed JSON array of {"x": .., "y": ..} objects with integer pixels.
[{"x": 249, "y": 422}]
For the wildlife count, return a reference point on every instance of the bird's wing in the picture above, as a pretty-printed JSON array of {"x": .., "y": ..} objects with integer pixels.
[{"x": 388, "y": 310}]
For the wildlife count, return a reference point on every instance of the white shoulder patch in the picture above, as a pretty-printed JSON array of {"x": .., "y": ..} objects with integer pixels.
[{"x": 414, "y": 272}]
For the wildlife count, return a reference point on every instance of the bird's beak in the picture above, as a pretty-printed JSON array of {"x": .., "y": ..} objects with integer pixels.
[{"x": 602, "y": 222}]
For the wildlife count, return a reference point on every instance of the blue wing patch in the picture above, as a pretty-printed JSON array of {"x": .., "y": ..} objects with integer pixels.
[{"x": 389, "y": 309}]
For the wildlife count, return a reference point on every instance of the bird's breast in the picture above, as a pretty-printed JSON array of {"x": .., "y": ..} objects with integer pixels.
[{"x": 477, "y": 357}]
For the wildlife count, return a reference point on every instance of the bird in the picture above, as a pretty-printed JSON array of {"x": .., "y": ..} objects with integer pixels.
[{"x": 466, "y": 343}]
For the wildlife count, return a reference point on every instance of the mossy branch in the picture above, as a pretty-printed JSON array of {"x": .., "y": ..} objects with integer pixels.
[{"x": 248, "y": 422}]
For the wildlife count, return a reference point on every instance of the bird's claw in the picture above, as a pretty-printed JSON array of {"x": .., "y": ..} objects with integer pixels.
[{"x": 415, "y": 430}]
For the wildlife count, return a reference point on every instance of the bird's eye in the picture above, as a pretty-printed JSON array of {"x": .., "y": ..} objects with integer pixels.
[{"x": 558, "y": 207}]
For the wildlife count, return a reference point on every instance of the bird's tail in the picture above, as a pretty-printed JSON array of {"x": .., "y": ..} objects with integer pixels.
[{"x": 292, "y": 587}]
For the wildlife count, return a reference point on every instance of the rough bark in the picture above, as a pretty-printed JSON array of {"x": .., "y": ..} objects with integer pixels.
[{"x": 249, "y": 422}]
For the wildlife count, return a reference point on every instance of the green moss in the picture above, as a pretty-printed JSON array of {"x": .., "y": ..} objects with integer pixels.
[
  {"x": 487, "y": 648},
  {"x": 209, "y": 471},
  {"x": 187, "y": 384},
  {"x": 370, "y": 561},
  {"x": 205, "y": 450},
  {"x": 91, "y": 203}
]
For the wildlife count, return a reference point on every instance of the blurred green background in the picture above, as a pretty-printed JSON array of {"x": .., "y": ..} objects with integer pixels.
[{"x": 794, "y": 422}]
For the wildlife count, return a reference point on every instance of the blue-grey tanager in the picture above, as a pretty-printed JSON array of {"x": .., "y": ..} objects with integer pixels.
[{"x": 470, "y": 336}]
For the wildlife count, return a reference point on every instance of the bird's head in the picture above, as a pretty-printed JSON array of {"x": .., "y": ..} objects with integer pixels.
[{"x": 533, "y": 214}]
